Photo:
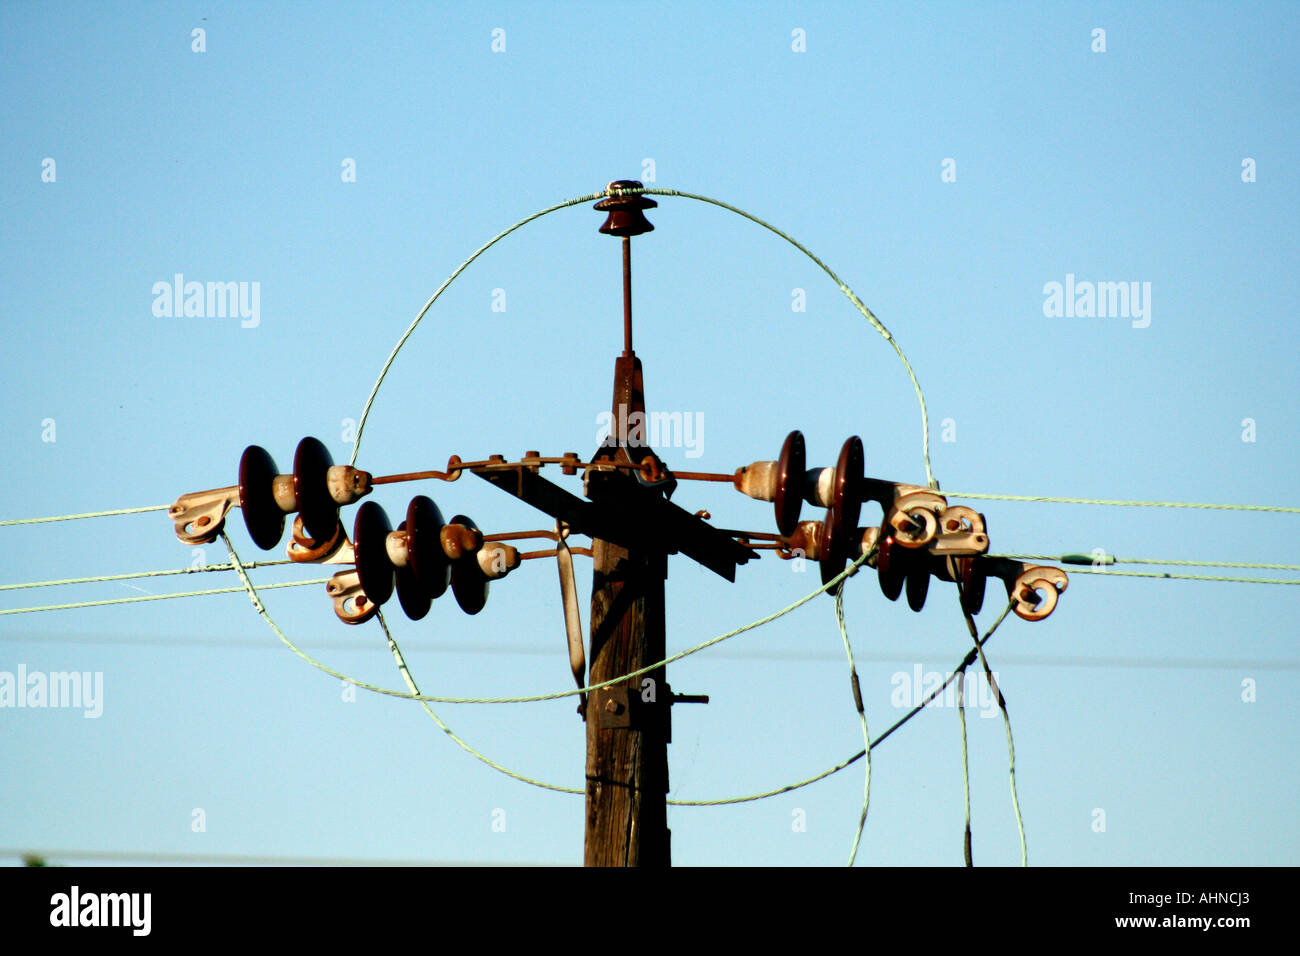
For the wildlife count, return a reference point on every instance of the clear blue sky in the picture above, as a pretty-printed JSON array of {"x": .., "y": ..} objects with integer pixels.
[{"x": 227, "y": 165}]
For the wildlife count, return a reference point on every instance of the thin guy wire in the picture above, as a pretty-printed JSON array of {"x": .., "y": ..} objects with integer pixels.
[
  {"x": 965, "y": 764},
  {"x": 392, "y": 356},
  {"x": 849, "y": 294},
  {"x": 1011, "y": 756},
  {"x": 866, "y": 752},
  {"x": 966, "y": 662},
  {"x": 415, "y": 695},
  {"x": 248, "y": 586},
  {"x": 1006, "y": 719},
  {"x": 806, "y": 656},
  {"x": 862, "y": 717},
  {"x": 415, "y": 690},
  {"x": 156, "y": 597}
]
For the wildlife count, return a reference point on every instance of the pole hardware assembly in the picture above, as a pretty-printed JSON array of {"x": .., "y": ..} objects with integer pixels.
[{"x": 626, "y": 510}]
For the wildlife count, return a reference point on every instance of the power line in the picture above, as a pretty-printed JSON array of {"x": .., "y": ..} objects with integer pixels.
[
  {"x": 156, "y": 597},
  {"x": 1157, "y": 575},
  {"x": 1101, "y": 558},
  {"x": 1165, "y": 575},
  {"x": 236, "y": 859},
  {"x": 86, "y": 514},
  {"x": 792, "y": 655},
  {"x": 133, "y": 575},
  {"x": 986, "y": 496},
  {"x": 1118, "y": 503}
]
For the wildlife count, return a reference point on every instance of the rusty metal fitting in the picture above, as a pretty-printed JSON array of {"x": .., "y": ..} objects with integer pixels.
[
  {"x": 351, "y": 605},
  {"x": 808, "y": 538},
  {"x": 305, "y": 549},
  {"x": 758, "y": 480},
  {"x": 1035, "y": 591},
  {"x": 264, "y": 496},
  {"x": 913, "y": 519},
  {"x": 961, "y": 534},
  {"x": 496, "y": 560},
  {"x": 347, "y": 485},
  {"x": 459, "y": 540},
  {"x": 198, "y": 517},
  {"x": 650, "y": 469}
]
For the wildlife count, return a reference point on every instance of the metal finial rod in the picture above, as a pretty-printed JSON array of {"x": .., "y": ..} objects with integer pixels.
[
  {"x": 627, "y": 295},
  {"x": 626, "y": 218}
]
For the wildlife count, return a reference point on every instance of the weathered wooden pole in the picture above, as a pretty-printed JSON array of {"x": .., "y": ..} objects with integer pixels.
[{"x": 627, "y": 724}]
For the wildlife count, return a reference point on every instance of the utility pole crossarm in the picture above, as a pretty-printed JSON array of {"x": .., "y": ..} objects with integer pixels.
[{"x": 622, "y": 513}]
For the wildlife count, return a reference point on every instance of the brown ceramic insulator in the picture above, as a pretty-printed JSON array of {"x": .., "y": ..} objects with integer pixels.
[
  {"x": 468, "y": 582},
  {"x": 973, "y": 579},
  {"x": 625, "y": 212},
  {"x": 262, "y": 516},
  {"x": 411, "y": 594},
  {"x": 319, "y": 510},
  {"x": 790, "y": 470},
  {"x": 370, "y": 542},
  {"x": 846, "y": 503},
  {"x": 425, "y": 554},
  {"x": 891, "y": 567},
  {"x": 833, "y": 550},
  {"x": 918, "y": 580}
]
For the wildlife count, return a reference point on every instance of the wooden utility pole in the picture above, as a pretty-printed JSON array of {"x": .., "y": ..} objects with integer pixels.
[
  {"x": 627, "y": 724},
  {"x": 633, "y": 527}
]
